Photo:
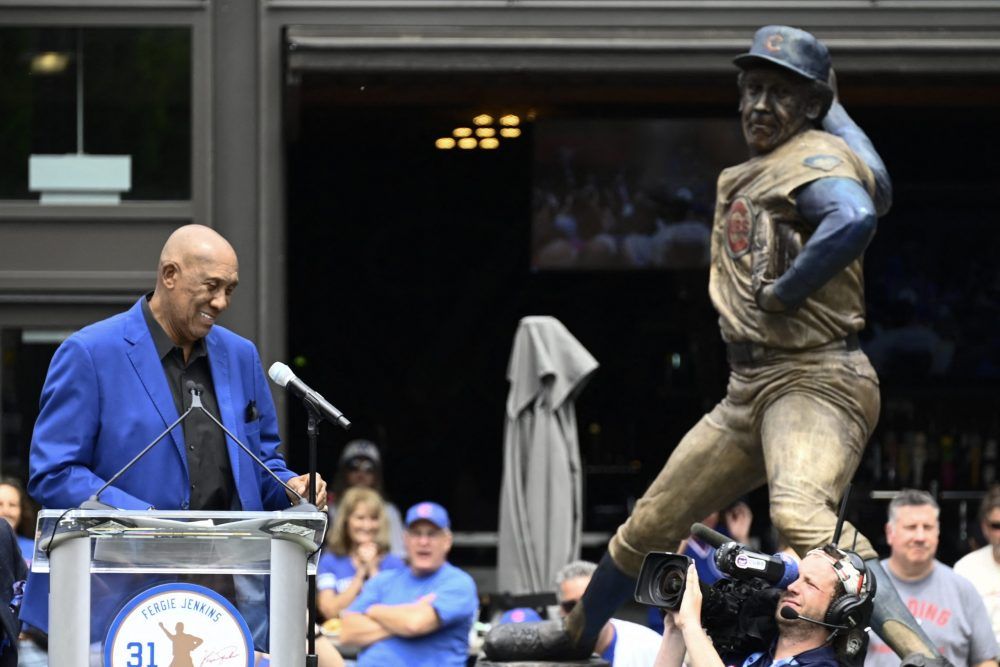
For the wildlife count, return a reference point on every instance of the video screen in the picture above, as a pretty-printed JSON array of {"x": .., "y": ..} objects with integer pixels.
[{"x": 628, "y": 194}]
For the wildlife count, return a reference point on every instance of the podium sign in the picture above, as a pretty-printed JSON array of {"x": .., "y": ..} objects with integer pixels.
[
  {"x": 71, "y": 545},
  {"x": 199, "y": 622}
]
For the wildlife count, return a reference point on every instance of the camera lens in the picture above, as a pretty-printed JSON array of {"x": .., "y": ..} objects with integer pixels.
[
  {"x": 667, "y": 585},
  {"x": 672, "y": 584}
]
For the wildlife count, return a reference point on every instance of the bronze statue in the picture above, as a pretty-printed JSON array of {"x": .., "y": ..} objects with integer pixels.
[{"x": 791, "y": 227}]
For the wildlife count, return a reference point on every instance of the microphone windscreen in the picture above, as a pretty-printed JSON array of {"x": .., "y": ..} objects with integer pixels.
[
  {"x": 788, "y": 613},
  {"x": 709, "y": 536},
  {"x": 280, "y": 373},
  {"x": 791, "y": 571}
]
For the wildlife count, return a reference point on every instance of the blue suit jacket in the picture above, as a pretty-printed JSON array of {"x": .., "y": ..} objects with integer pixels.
[{"x": 106, "y": 397}]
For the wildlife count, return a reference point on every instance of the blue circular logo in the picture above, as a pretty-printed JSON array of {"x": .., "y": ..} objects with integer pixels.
[{"x": 180, "y": 625}]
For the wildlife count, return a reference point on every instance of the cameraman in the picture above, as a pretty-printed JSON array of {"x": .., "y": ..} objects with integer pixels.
[{"x": 827, "y": 577}]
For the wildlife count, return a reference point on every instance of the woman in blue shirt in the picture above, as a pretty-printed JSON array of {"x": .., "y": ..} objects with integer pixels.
[{"x": 357, "y": 548}]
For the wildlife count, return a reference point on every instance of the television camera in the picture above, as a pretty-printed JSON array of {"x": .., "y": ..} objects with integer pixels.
[{"x": 738, "y": 610}]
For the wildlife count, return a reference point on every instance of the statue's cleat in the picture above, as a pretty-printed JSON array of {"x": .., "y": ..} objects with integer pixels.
[
  {"x": 545, "y": 640},
  {"x": 921, "y": 660}
]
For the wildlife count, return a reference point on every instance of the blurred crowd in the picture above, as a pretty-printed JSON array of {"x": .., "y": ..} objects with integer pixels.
[
  {"x": 614, "y": 224},
  {"x": 387, "y": 593}
]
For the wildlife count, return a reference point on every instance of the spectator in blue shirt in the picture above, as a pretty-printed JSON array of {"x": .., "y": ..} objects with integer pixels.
[
  {"x": 419, "y": 616},
  {"x": 357, "y": 548}
]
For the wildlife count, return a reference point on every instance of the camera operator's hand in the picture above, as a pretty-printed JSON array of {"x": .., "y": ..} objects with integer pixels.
[
  {"x": 701, "y": 652},
  {"x": 689, "y": 614}
]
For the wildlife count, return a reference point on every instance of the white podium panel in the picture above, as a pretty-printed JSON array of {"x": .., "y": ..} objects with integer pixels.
[{"x": 100, "y": 561}]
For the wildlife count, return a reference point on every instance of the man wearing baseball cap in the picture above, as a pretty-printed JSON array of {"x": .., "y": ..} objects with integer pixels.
[
  {"x": 419, "y": 615},
  {"x": 790, "y": 231}
]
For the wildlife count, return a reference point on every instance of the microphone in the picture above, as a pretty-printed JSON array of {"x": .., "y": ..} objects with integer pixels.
[
  {"x": 737, "y": 560},
  {"x": 708, "y": 536},
  {"x": 283, "y": 376},
  {"x": 790, "y": 614}
]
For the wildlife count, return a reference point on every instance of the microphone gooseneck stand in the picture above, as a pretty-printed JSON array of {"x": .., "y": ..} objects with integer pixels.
[
  {"x": 312, "y": 428},
  {"x": 303, "y": 504},
  {"x": 317, "y": 409},
  {"x": 313, "y": 417},
  {"x": 94, "y": 502}
]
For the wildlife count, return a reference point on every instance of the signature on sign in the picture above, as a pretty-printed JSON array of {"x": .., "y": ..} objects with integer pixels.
[{"x": 220, "y": 656}]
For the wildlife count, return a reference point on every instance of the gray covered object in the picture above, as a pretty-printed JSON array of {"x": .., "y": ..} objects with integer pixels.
[{"x": 540, "y": 496}]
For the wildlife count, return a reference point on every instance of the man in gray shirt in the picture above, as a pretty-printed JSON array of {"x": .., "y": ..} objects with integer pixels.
[{"x": 946, "y": 605}]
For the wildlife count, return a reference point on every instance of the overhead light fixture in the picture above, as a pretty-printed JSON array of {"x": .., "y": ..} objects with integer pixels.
[
  {"x": 482, "y": 133},
  {"x": 49, "y": 62}
]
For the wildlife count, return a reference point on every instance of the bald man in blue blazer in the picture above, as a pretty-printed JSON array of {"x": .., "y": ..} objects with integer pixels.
[{"x": 113, "y": 386}]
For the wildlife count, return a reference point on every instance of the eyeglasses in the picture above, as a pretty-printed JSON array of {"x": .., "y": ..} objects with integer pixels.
[{"x": 568, "y": 605}]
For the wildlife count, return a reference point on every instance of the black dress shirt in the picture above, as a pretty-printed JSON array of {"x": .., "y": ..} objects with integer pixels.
[{"x": 209, "y": 470}]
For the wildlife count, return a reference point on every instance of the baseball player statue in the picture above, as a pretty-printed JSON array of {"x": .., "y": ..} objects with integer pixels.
[{"x": 791, "y": 227}]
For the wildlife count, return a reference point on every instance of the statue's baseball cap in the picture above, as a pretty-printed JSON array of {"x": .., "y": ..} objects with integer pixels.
[
  {"x": 428, "y": 511},
  {"x": 791, "y": 48}
]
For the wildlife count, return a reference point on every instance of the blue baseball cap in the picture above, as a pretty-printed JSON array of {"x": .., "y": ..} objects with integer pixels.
[
  {"x": 428, "y": 511},
  {"x": 791, "y": 49},
  {"x": 519, "y": 615}
]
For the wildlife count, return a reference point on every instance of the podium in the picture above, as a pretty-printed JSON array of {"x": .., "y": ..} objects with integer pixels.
[{"x": 73, "y": 544}]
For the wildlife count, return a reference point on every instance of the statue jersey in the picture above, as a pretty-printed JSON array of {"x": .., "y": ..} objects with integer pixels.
[{"x": 758, "y": 233}]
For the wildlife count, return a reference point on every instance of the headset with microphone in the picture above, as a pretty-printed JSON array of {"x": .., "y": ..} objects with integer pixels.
[
  {"x": 790, "y": 614},
  {"x": 848, "y": 613},
  {"x": 854, "y": 607}
]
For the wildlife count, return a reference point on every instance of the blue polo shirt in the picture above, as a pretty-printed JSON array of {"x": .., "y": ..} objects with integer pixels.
[
  {"x": 336, "y": 572},
  {"x": 824, "y": 656},
  {"x": 456, "y": 604}
]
